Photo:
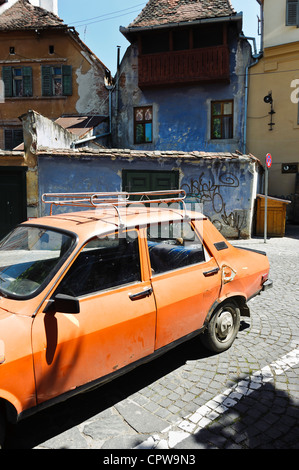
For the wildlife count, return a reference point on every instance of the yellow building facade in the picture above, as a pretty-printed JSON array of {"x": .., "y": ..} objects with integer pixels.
[{"x": 273, "y": 100}]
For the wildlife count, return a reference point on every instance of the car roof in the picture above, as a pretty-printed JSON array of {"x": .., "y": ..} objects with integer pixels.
[{"x": 100, "y": 221}]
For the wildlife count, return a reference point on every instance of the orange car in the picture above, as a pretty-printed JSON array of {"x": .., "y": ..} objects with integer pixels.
[{"x": 85, "y": 296}]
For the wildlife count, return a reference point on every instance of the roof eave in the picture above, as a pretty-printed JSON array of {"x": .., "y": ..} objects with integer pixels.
[{"x": 128, "y": 32}]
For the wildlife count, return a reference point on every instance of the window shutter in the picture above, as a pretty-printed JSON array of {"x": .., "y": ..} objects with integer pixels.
[
  {"x": 8, "y": 139},
  {"x": 27, "y": 81},
  {"x": 292, "y": 13},
  {"x": 67, "y": 83},
  {"x": 17, "y": 137},
  {"x": 12, "y": 138},
  {"x": 7, "y": 79},
  {"x": 47, "y": 89}
]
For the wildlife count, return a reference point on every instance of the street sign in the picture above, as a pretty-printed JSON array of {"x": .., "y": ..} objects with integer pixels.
[{"x": 268, "y": 160}]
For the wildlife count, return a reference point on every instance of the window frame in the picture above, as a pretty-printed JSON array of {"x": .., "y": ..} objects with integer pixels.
[
  {"x": 10, "y": 80},
  {"x": 99, "y": 291},
  {"x": 143, "y": 122},
  {"x": 13, "y": 138},
  {"x": 197, "y": 240},
  {"x": 48, "y": 75},
  {"x": 292, "y": 12},
  {"x": 221, "y": 116}
]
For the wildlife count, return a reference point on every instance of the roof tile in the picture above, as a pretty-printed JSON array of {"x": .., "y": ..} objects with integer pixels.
[
  {"x": 22, "y": 15},
  {"x": 160, "y": 12}
]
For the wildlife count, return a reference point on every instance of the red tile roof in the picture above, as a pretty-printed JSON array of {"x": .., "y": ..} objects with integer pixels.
[
  {"x": 161, "y": 12},
  {"x": 22, "y": 15}
]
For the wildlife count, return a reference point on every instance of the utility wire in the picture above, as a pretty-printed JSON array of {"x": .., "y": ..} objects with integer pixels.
[{"x": 104, "y": 16}]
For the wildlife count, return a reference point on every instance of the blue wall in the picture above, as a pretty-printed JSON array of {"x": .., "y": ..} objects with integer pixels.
[
  {"x": 182, "y": 115},
  {"x": 225, "y": 186}
]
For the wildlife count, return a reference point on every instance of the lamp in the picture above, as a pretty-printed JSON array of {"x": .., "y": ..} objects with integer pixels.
[{"x": 269, "y": 100}]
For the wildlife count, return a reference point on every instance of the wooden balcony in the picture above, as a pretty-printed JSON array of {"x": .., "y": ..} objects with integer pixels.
[{"x": 173, "y": 68}]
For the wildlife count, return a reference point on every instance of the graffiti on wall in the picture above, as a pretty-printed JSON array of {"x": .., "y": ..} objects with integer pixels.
[{"x": 209, "y": 192}]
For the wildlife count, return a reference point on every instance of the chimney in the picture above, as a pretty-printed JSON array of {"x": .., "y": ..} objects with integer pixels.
[{"x": 50, "y": 5}]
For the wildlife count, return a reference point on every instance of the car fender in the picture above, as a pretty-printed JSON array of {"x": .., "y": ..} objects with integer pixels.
[
  {"x": 237, "y": 297},
  {"x": 13, "y": 404}
]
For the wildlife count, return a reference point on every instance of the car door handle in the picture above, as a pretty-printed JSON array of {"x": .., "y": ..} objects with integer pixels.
[
  {"x": 142, "y": 294},
  {"x": 212, "y": 272}
]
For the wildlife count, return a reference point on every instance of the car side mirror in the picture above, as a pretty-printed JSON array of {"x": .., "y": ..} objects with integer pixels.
[{"x": 64, "y": 304}]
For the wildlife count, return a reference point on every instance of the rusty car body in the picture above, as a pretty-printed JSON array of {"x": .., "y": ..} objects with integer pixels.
[{"x": 87, "y": 295}]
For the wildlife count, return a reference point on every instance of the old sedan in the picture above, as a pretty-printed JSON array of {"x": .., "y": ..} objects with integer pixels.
[{"x": 87, "y": 295}]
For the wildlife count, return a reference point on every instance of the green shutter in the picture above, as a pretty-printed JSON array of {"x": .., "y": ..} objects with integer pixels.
[
  {"x": 292, "y": 13},
  {"x": 7, "y": 79},
  {"x": 47, "y": 88},
  {"x": 27, "y": 81},
  {"x": 67, "y": 82}
]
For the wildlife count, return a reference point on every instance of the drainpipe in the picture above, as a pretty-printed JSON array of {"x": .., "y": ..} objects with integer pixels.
[{"x": 257, "y": 57}]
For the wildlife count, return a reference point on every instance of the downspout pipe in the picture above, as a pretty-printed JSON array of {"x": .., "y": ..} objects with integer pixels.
[{"x": 256, "y": 57}]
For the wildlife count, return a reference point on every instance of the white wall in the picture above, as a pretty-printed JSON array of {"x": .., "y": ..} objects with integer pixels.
[
  {"x": 276, "y": 32},
  {"x": 50, "y": 5}
]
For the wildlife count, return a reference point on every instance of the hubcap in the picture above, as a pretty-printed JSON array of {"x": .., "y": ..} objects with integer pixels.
[{"x": 224, "y": 325}]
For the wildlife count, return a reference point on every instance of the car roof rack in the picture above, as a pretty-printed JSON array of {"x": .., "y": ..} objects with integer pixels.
[{"x": 113, "y": 199}]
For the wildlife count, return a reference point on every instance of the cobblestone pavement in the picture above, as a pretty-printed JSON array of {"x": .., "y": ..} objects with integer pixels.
[{"x": 244, "y": 398}]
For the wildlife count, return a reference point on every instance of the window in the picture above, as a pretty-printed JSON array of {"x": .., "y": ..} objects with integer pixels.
[
  {"x": 292, "y": 13},
  {"x": 103, "y": 263},
  {"x": 17, "y": 81},
  {"x": 30, "y": 256},
  {"x": 143, "y": 125},
  {"x": 172, "y": 246},
  {"x": 12, "y": 138},
  {"x": 222, "y": 120},
  {"x": 57, "y": 80}
]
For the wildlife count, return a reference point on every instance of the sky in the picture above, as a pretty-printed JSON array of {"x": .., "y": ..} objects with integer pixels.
[{"x": 98, "y": 22}]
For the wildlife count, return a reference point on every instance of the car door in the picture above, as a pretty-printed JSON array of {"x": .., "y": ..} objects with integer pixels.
[
  {"x": 186, "y": 280},
  {"x": 115, "y": 325}
]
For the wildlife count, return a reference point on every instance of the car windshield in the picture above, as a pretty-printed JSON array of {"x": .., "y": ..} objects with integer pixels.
[{"x": 29, "y": 257}]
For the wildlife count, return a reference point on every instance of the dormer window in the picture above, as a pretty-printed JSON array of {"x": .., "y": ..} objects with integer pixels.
[{"x": 292, "y": 13}]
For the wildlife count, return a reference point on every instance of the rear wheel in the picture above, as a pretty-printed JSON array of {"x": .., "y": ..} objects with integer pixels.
[{"x": 222, "y": 328}]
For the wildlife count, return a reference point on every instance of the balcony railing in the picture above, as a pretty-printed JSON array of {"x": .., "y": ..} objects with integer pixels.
[{"x": 197, "y": 65}]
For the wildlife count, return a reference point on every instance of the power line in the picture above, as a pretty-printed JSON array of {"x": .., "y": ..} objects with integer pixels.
[{"x": 103, "y": 17}]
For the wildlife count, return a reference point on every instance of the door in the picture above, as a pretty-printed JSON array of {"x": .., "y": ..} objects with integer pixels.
[
  {"x": 185, "y": 279},
  {"x": 13, "y": 199},
  {"x": 116, "y": 323},
  {"x": 140, "y": 181}
]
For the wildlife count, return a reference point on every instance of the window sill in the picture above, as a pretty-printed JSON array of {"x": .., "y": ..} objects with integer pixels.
[
  {"x": 222, "y": 141},
  {"x": 34, "y": 98}
]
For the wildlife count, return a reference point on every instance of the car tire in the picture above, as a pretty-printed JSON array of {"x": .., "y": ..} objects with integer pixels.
[{"x": 223, "y": 327}]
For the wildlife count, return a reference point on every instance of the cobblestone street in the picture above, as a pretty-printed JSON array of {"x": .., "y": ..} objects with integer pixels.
[{"x": 244, "y": 398}]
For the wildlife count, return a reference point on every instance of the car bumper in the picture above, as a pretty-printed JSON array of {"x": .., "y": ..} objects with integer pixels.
[{"x": 267, "y": 285}]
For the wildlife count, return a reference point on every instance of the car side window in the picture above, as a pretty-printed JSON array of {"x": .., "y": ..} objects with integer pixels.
[
  {"x": 173, "y": 245},
  {"x": 103, "y": 263}
]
